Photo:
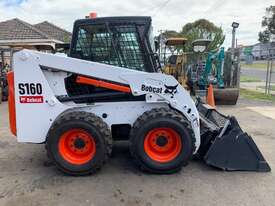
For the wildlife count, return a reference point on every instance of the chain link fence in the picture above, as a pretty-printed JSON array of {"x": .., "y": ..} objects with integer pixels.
[
  {"x": 258, "y": 69},
  {"x": 269, "y": 71}
]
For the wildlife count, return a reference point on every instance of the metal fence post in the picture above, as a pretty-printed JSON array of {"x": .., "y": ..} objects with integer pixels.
[
  {"x": 267, "y": 76},
  {"x": 270, "y": 75}
]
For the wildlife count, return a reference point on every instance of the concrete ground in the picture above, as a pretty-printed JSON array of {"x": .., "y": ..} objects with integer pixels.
[{"x": 27, "y": 178}]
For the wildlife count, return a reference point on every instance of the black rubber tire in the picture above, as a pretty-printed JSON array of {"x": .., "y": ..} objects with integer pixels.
[
  {"x": 161, "y": 117},
  {"x": 92, "y": 124}
]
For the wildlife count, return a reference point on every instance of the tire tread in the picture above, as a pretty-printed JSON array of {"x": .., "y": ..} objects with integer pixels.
[
  {"x": 148, "y": 115},
  {"x": 92, "y": 119}
]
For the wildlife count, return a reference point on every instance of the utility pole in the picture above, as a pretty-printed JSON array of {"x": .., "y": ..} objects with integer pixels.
[{"x": 235, "y": 25}]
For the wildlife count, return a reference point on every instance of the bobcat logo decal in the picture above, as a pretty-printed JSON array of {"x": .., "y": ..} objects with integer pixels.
[{"x": 171, "y": 90}]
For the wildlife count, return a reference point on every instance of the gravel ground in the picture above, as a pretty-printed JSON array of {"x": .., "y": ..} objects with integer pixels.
[{"x": 27, "y": 178}]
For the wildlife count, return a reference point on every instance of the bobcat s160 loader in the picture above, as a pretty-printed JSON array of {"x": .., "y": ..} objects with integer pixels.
[{"x": 108, "y": 89}]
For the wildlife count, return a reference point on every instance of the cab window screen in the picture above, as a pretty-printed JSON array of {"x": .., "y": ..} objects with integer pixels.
[{"x": 117, "y": 45}]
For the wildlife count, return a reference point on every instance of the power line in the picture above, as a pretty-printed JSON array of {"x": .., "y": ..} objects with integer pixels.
[
  {"x": 150, "y": 9},
  {"x": 217, "y": 4},
  {"x": 161, "y": 7}
]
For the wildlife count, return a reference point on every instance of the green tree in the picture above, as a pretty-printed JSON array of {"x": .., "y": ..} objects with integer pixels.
[
  {"x": 268, "y": 23},
  {"x": 171, "y": 33},
  {"x": 203, "y": 29}
]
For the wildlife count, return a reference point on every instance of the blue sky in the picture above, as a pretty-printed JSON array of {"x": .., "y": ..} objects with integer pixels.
[{"x": 172, "y": 14}]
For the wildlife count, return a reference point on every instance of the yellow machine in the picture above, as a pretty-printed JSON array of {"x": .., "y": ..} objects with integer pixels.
[{"x": 174, "y": 63}]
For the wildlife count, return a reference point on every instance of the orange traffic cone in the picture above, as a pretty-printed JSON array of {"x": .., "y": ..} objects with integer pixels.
[{"x": 210, "y": 96}]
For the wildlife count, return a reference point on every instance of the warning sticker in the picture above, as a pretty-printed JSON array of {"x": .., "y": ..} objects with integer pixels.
[{"x": 31, "y": 99}]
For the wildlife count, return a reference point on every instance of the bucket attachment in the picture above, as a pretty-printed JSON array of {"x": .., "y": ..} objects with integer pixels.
[
  {"x": 226, "y": 96},
  {"x": 224, "y": 144}
]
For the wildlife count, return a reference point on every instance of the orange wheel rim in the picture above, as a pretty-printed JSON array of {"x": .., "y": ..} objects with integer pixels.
[
  {"x": 162, "y": 144},
  {"x": 77, "y": 146}
]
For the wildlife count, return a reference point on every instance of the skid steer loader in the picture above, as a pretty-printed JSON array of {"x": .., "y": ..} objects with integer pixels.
[{"x": 109, "y": 89}]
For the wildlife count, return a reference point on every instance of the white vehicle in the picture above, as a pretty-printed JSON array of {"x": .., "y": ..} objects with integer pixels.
[{"x": 108, "y": 90}]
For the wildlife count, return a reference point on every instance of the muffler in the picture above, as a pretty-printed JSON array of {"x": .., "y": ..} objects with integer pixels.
[{"x": 224, "y": 144}]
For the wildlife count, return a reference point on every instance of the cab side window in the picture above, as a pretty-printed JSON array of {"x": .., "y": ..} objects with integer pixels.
[{"x": 117, "y": 45}]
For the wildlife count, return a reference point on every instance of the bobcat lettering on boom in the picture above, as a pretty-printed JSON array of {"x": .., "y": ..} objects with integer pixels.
[{"x": 151, "y": 89}]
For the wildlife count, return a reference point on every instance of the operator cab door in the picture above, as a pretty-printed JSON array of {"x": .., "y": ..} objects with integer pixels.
[{"x": 118, "y": 41}]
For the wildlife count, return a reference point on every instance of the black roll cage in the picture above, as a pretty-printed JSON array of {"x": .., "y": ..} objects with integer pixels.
[{"x": 150, "y": 59}]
